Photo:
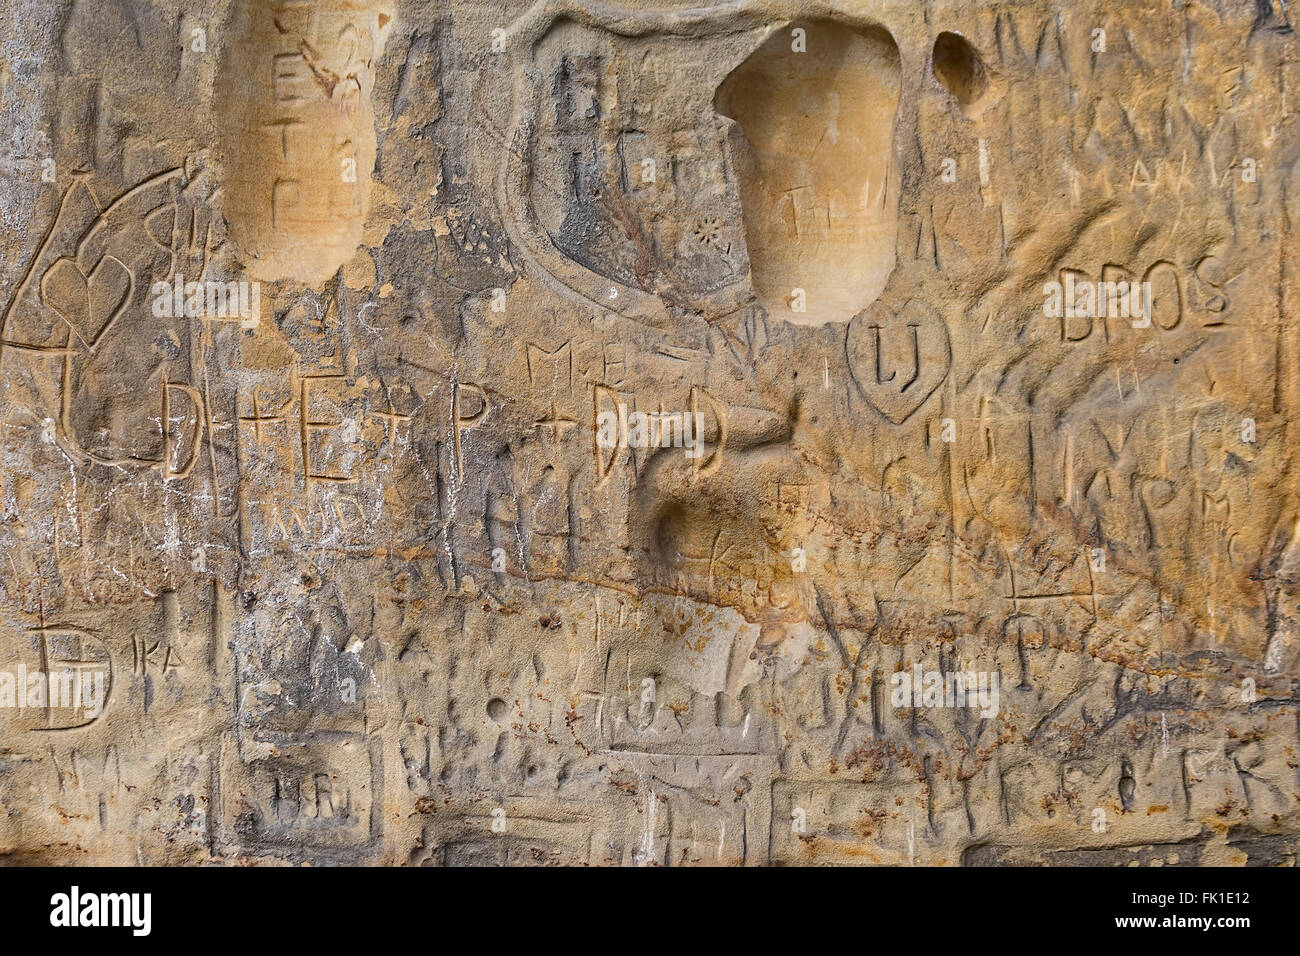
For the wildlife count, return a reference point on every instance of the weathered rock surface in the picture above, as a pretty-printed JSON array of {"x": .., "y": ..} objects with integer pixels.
[{"x": 366, "y": 548}]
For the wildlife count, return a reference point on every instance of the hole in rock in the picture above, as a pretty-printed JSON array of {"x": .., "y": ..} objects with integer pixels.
[
  {"x": 815, "y": 162},
  {"x": 959, "y": 68}
]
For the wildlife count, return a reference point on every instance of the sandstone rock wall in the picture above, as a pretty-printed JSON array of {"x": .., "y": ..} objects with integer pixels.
[{"x": 444, "y": 433}]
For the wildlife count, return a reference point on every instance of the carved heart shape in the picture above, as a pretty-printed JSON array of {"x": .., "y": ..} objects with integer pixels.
[
  {"x": 88, "y": 304},
  {"x": 898, "y": 358}
]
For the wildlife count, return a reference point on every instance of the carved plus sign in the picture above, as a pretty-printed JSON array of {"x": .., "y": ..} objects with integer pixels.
[
  {"x": 391, "y": 421},
  {"x": 557, "y": 423},
  {"x": 258, "y": 418}
]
